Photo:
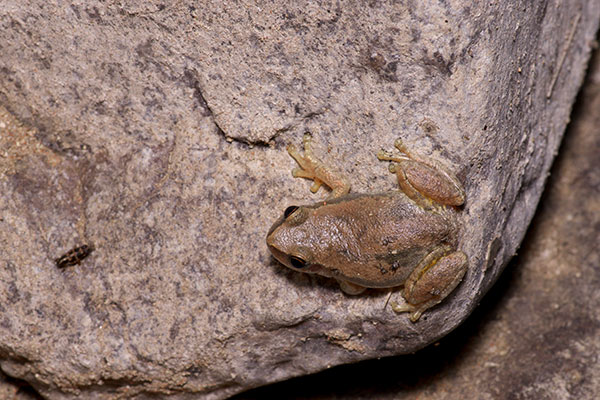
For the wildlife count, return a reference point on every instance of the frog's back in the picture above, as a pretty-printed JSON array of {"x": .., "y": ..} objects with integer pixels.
[{"x": 385, "y": 236}]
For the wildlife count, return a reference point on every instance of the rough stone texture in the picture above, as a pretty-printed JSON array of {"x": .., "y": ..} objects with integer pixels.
[
  {"x": 536, "y": 335},
  {"x": 146, "y": 119}
]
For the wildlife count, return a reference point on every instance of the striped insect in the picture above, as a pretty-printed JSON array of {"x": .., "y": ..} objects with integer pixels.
[{"x": 74, "y": 256}]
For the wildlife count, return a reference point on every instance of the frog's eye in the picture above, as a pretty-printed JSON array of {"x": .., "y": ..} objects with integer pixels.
[
  {"x": 297, "y": 262},
  {"x": 289, "y": 211}
]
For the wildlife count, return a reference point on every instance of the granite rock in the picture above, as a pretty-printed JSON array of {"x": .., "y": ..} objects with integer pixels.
[
  {"x": 156, "y": 133},
  {"x": 535, "y": 335}
]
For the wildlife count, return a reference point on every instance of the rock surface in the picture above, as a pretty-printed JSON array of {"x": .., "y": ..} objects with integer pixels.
[
  {"x": 535, "y": 335},
  {"x": 148, "y": 141}
]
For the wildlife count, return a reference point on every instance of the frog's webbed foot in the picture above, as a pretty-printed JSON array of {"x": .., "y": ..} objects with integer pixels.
[
  {"x": 423, "y": 182},
  {"x": 311, "y": 168},
  {"x": 432, "y": 281}
]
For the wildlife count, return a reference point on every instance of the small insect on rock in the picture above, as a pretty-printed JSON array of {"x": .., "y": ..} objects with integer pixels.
[{"x": 74, "y": 256}]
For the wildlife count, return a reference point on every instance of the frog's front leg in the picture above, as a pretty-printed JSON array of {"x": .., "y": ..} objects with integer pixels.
[
  {"x": 424, "y": 183},
  {"x": 351, "y": 288},
  {"x": 432, "y": 280},
  {"x": 311, "y": 168}
]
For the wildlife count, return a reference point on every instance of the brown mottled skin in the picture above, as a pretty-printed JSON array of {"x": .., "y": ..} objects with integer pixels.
[{"x": 371, "y": 240}]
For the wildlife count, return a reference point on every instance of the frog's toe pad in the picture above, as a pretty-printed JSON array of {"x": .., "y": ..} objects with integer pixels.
[{"x": 415, "y": 311}]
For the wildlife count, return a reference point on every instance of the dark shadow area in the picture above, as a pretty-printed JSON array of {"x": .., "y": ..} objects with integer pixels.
[{"x": 23, "y": 391}]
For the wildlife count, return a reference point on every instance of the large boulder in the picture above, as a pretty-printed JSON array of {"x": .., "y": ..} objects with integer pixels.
[{"x": 156, "y": 132}]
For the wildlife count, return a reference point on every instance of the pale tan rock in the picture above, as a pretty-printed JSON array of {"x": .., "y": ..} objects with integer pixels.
[
  {"x": 132, "y": 105},
  {"x": 535, "y": 334}
]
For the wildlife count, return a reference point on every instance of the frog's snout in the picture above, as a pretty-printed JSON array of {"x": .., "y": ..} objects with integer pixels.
[{"x": 276, "y": 253}]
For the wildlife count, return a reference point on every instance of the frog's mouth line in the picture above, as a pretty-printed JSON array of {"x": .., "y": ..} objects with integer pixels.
[{"x": 318, "y": 269}]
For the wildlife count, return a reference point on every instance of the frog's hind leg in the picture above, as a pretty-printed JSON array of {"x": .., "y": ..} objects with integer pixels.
[
  {"x": 432, "y": 281},
  {"x": 422, "y": 181},
  {"x": 311, "y": 168}
]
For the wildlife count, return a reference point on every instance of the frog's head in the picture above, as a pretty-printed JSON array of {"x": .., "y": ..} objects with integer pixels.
[{"x": 294, "y": 240}]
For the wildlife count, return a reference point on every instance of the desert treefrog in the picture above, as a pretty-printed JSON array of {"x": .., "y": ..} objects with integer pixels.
[{"x": 383, "y": 240}]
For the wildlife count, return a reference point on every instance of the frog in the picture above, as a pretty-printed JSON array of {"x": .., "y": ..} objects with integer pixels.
[{"x": 402, "y": 239}]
